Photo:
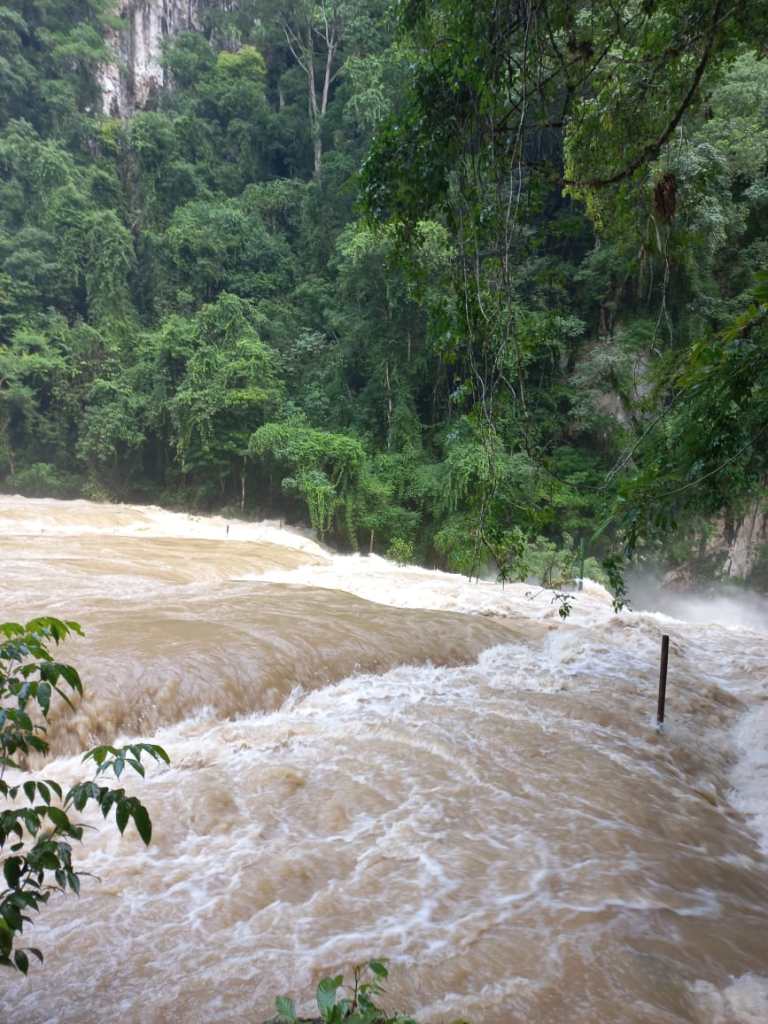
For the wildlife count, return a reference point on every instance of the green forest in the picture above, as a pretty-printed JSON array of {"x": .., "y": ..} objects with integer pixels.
[{"x": 468, "y": 284}]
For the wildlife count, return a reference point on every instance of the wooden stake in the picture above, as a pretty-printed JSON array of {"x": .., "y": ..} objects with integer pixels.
[{"x": 663, "y": 679}]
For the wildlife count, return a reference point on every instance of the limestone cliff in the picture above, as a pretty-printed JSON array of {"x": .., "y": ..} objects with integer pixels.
[
  {"x": 732, "y": 548},
  {"x": 738, "y": 544},
  {"x": 137, "y": 73}
]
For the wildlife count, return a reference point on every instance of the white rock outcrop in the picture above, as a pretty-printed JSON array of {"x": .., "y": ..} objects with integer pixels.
[
  {"x": 129, "y": 83},
  {"x": 740, "y": 542}
]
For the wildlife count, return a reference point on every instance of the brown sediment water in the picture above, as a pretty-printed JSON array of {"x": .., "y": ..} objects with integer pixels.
[{"x": 378, "y": 761}]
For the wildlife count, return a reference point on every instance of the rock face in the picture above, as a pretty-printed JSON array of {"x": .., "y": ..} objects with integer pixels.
[
  {"x": 137, "y": 74},
  {"x": 734, "y": 548},
  {"x": 739, "y": 543}
]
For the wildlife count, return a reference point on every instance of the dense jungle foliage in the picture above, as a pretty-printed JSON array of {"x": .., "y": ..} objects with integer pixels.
[{"x": 535, "y": 322}]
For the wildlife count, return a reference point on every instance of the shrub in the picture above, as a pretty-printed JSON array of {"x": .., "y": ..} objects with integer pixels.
[
  {"x": 400, "y": 551},
  {"x": 42, "y": 480},
  {"x": 340, "y": 1004}
]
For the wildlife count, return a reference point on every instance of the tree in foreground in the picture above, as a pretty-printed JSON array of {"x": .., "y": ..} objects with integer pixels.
[{"x": 37, "y": 827}]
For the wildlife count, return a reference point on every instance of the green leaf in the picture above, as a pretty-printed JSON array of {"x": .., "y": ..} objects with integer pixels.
[
  {"x": 98, "y": 754},
  {"x": 378, "y": 967},
  {"x": 6, "y": 937},
  {"x": 143, "y": 824},
  {"x": 59, "y": 818},
  {"x": 12, "y": 867},
  {"x": 326, "y": 993},
  {"x": 72, "y": 677},
  {"x": 79, "y": 797},
  {"x": 12, "y": 916},
  {"x": 48, "y": 860},
  {"x": 55, "y": 787},
  {"x": 107, "y": 797},
  {"x": 44, "y": 696},
  {"x": 286, "y": 1009},
  {"x": 121, "y": 815},
  {"x": 22, "y": 960},
  {"x": 31, "y": 820},
  {"x": 155, "y": 751}
]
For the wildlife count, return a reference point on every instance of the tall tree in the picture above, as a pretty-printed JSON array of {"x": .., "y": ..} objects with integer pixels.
[{"x": 321, "y": 36}]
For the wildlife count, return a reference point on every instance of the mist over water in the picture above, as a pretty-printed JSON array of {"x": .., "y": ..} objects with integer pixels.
[
  {"x": 721, "y": 603},
  {"x": 376, "y": 761}
]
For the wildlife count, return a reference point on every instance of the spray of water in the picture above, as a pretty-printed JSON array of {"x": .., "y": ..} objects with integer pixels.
[{"x": 728, "y": 605}]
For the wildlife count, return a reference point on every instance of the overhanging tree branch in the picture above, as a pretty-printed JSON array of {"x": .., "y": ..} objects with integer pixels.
[{"x": 654, "y": 148}]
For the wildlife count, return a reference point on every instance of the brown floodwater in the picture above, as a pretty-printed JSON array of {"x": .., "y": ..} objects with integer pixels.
[{"x": 376, "y": 761}]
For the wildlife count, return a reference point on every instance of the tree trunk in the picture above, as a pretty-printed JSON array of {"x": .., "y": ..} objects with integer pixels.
[
  {"x": 317, "y": 143},
  {"x": 315, "y": 114},
  {"x": 301, "y": 41},
  {"x": 389, "y": 404}
]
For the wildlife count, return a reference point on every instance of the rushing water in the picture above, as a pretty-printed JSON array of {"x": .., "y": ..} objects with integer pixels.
[{"x": 373, "y": 761}]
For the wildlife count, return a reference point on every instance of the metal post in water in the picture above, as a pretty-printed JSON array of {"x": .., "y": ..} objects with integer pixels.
[{"x": 663, "y": 679}]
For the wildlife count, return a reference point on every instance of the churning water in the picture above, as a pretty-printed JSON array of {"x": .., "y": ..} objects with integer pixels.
[{"x": 376, "y": 761}]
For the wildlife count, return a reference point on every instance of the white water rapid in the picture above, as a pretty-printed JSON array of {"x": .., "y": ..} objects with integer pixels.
[{"x": 376, "y": 761}]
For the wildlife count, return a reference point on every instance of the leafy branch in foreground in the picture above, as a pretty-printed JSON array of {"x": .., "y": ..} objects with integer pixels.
[
  {"x": 36, "y": 827},
  {"x": 357, "y": 1006}
]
